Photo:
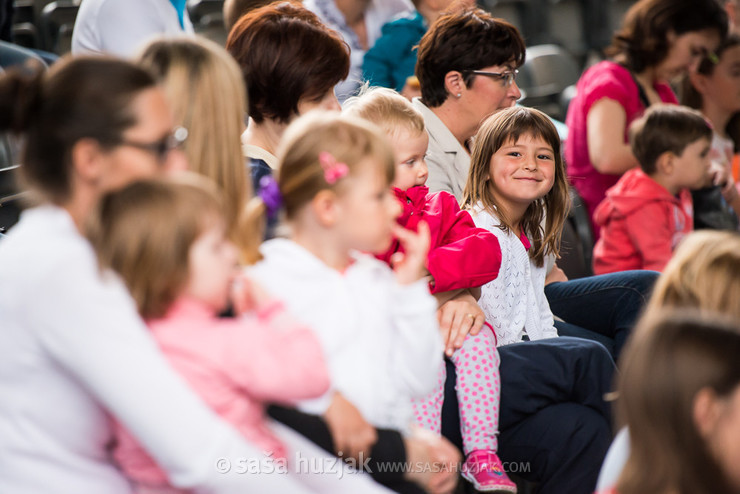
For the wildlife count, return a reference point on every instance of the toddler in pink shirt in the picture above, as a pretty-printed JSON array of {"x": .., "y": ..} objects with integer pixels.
[{"x": 168, "y": 242}]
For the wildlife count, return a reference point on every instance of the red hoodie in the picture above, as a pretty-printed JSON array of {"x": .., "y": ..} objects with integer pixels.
[
  {"x": 460, "y": 255},
  {"x": 641, "y": 223}
]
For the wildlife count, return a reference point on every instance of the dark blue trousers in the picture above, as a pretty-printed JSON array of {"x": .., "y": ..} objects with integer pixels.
[
  {"x": 555, "y": 426},
  {"x": 606, "y": 306}
]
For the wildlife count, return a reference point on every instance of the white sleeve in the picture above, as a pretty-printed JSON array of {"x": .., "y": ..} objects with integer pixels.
[
  {"x": 418, "y": 352},
  {"x": 90, "y": 327},
  {"x": 124, "y": 26}
]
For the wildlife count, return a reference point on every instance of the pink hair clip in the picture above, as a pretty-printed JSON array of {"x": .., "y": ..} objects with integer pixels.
[{"x": 333, "y": 169}]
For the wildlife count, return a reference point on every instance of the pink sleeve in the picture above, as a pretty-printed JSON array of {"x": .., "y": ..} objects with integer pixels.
[
  {"x": 614, "y": 83},
  {"x": 277, "y": 359},
  {"x": 466, "y": 256}
]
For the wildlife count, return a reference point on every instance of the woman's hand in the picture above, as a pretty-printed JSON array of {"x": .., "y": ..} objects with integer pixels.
[
  {"x": 411, "y": 265},
  {"x": 353, "y": 436},
  {"x": 555, "y": 275},
  {"x": 457, "y": 318},
  {"x": 434, "y": 462}
]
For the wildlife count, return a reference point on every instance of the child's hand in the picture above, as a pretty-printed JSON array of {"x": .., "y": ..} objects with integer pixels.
[
  {"x": 411, "y": 266},
  {"x": 247, "y": 295},
  {"x": 457, "y": 318},
  {"x": 352, "y": 434}
]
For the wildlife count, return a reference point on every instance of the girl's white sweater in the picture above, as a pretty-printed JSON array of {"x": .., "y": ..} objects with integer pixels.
[{"x": 515, "y": 302}]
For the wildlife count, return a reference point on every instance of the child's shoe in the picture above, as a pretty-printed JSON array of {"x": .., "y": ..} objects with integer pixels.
[{"x": 484, "y": 470}]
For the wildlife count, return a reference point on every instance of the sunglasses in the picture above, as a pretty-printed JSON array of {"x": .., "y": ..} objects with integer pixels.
[
  {"x": 161, "y": 148},
  {"x": 506, "y": 77}
]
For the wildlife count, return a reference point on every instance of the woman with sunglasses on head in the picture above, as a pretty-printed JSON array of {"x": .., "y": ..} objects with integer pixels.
[
  {"x": 659, "y": 41},
  {"x": 74, "y": 351}
]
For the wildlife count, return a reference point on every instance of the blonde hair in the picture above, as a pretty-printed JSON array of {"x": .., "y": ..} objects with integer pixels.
[
  {"x": 347, "y": 139},
  {"x": 704, "y": 273},
  {"x": 385, "y": 108},
  {"x": 499, "y": 129},
  {"x": 206, "y": 92},
  {"x": 670, "y": 359},
  {"x": 145, "y": 230}
]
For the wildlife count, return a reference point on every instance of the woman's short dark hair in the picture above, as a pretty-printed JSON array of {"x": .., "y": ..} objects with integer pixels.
[
  {"x": 642, "y": 42},
  {"x": 78, "y": 98},
  {"x": 286, "y": 54},
  {"x": 468, "y": 40}
]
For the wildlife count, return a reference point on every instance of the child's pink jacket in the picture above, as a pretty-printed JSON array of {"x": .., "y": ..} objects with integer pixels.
[
  {"x": 461, "y": 255},
  {"x": 236, "y": 366},
  {"x": 641, "y": 223}
]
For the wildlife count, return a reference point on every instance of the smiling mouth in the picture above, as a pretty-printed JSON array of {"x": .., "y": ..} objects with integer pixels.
[{"x": 528, "y": 179}]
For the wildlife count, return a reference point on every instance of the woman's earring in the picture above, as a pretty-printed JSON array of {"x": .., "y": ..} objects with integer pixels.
[{"x": 459, "y": 95}]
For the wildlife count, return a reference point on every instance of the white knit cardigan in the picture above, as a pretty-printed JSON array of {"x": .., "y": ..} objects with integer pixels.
[{"x": 514, "y": 302}]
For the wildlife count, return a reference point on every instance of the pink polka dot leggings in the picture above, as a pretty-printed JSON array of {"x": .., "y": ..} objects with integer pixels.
[{"x": 478, "y": 389}]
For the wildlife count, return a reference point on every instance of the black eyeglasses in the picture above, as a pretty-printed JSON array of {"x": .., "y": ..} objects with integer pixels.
[
  {"x": 161, "y": 148},
  {"x": 506, "y": 77}
]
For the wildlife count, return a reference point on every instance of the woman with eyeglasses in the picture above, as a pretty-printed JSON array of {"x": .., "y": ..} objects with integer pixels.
[
  {"x": 74, "y": 351},
  {"x": 658, "y": 42}
]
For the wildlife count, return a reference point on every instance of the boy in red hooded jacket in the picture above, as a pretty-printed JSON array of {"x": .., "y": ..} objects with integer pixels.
[{"x": 647, "y": 213}]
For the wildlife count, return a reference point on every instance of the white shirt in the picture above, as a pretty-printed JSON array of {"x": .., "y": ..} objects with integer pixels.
[
  {"x": 515, "y": 302},
  {"x": 123, "y": 27},
  {"x": 381, "y": 340},
  {"x": 72, "y": 350},
  {"x": 377, "y": 14}
]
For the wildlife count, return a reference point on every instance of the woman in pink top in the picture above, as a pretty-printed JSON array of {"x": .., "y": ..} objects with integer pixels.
[
  {"x": 169, "y": 242},
  {"x": 659, "y": 40}
]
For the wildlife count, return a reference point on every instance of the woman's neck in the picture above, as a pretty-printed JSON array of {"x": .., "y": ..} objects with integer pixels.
[
  {"x": 80, "y": 205},
  {"x": 352, "y": 10},
  {"x": 430, "y": 15},
  {"x": 322, "y": 243},
  {"x": 449, "y": 113},
  {"x": 717, "y": 115},
  {"x": 265, "y": 135},
  {"x": 354, "y": 15}
]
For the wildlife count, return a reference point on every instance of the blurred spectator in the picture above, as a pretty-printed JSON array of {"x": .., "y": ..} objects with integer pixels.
[
  {"x": 659, "y": 40},
  {"x": 359, "y": 22},
  {"x": 120, "y": 27}
]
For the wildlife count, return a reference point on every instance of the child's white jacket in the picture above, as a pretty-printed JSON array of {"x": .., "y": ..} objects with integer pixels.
[
  {"x": 514, "y": 302},
  {"x": 381, "y": 340}
]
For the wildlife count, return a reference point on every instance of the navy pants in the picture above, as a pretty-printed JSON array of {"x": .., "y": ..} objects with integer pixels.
[
  {"x": 555, "y": 426},
  {"x": 606, "y": 306}
]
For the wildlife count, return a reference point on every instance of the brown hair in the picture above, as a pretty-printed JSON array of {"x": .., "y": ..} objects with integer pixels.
[
  {"x": 233, "y": 10},
  {"x": 385, "y": 108},
  {"x": 144, "y": 232},
  {"x": 78, "y": 98},
  {"x": 704, "y": 273},
  {"x": 692, "y": 98},
  {"x": 665, "y": 128},
  {"x": 464, "y": 41},
  {"x": 348, "y": 140},
  {"x": 204, "y": 88},
  {"x": 672, "y": 357},
  {"x": 286, "y": 54},
  {"x": 496, "y": 131},
  {"x": 642, "y": 42}
]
